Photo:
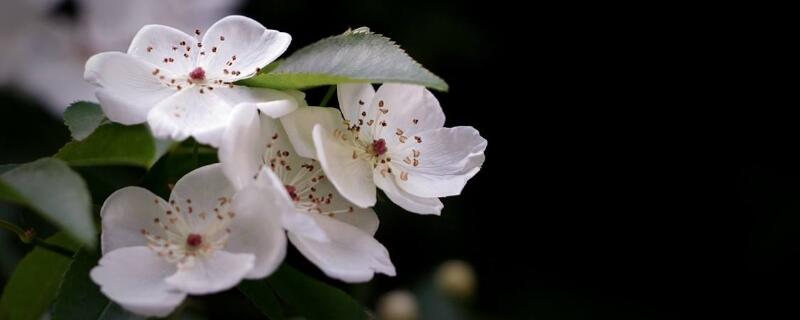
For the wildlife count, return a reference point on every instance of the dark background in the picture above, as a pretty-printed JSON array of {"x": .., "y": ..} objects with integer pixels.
[{"x": 641, "y": 160}]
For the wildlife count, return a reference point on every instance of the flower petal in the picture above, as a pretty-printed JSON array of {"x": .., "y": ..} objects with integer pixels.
[
  {"x": 257, "y": 229},
  {"x": 190, "y": 113},
  {"x": 354, "y": 98},
  {"x": 406, "y": 200},
  {"x": 204, "y": 190},
  {"x": 166, "y": 48},
  {"x": 134, "y": 278},
  {"x": 127, "y": 212},
  {"x": 299, "y": 124},
  {"x": 446, "y": 159},
  {"x": 242, "y": 156},
  {"x": 364, "y": 219},
  {"x": 271, "y": 102},
  {"x": 294, "y": 221},
  {"x": 352, "y": 177},
  {"x": 240, "y": 44},
  {"x": 408, "y": 109},
  {"x": 242, "y": 147},
  {"x": 216, "y": 272},
  {"x": 128, "y": 88},
  {"x": 352, "y": 255}
]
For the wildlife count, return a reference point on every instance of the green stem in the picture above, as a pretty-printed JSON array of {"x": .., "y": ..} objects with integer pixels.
[
  {"x": 24, "y": 236},
  {"x": 328, "y": 96},
  {"x": 28, "y": 236}
]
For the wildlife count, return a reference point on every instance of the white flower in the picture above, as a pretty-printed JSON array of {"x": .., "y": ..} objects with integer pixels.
[
  {"x": 326, "y": 228},
  {"x": 182, "y": 85},
  {"x": 204, "y": 240},
  {"x": 46, "y": 55},
  {"x": 393, "y": 139}
]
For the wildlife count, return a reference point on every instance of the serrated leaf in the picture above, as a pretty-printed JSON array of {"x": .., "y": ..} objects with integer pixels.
[
  {"x": 262, "y": 296},
  {"x": 115, "y": 144},
  {"x": 52, "y": 189},
  {"x": 313, "y": 299},
  {"x": 357, "y": 56},
  {"x": 79, "y": 298},
  {"x": 82, "y": 118},
  {"x": 35, "y": 281}
]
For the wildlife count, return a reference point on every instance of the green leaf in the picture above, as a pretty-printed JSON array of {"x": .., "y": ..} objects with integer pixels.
[
  {"x": 355, "y": 56},
  {"x": 262, "y": 297},
  {"x": 34, "y": 283},
  {"x": 52, "y": 189},
  {"x": 313, "y": 299},
  {"x": 79, "y": 298},
  {"x": 82, "y": 118},
  {"x": 115, "y": 144}
]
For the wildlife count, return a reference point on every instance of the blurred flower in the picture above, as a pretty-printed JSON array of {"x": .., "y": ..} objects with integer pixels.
[
  {"x": 182, "y": 85},
  {"x": 45, "y": 54},
  {"x": 324, "y": 227},
  {"x": 204, "y": 240},
  {"x": 393, "y": 139},
  {"x": 456, "y": 279},
  {"x": 398, "y": 305}
]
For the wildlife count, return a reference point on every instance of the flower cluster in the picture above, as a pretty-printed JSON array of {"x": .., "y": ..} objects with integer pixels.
[{"x": 287, "y": 170}]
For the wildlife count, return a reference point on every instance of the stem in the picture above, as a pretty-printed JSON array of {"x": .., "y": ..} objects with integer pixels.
[
  {"x": 328, "y": 96},
  {"x": 28, "y": 236}
]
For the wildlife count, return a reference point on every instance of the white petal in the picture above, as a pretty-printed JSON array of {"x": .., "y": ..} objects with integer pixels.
[
  {"x": 242, "y": 158},
  {"x": 53, "y": 66},
  {"x": 128, "y": 88},
  {"x": 252, "y": 45},
  {"x": 127, "y": 212},
  {"x": 199, "y": 191},
  {"x": 110, "y": 24},
  {"x": 257, "y": 229},
  {"x": 190, "y": 113},
  {"x": 155, "y": 43},
  {"x": 242, "y": 147},
  {"x": 447, "y": 159},
  {"x": 134, "y": 278},
  {"x": 352, "y": 255},
  {"x": 411, "y": 108},
  {"x": 352, "y": 177},
  {"x": 406, "y": 200},
  {"x": 271, "y": 102},
  {"x": 216, "y": 272},
  {"x": 294, "y": 221},
  {"x": 299, "y": 124},
  {"x": 354, "y": 98},
  {"x": 362, "y": 218}
]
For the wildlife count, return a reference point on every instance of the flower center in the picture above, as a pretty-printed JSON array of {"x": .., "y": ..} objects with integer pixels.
[
  {"x": 379, "y": 147},
  {"x": 198, "y": 74},
  {"x": 194, "y": 240},
  {"x": 292, "y": 192}
]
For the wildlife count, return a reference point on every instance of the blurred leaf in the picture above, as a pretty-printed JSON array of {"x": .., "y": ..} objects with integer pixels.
[
  {"x": 355, "y": 56},
  {"x": 52, "y": 189},
  {"x": 115, "y": 144},
  {"x": 313, "y": 299},
  {"x": 82, "y": 118},
  {"x": 80, "y": 298},
  {"x": 34, "y": 283},
  {"x": 6, "y": 167},
  {"x": 262, "y": 297}
]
